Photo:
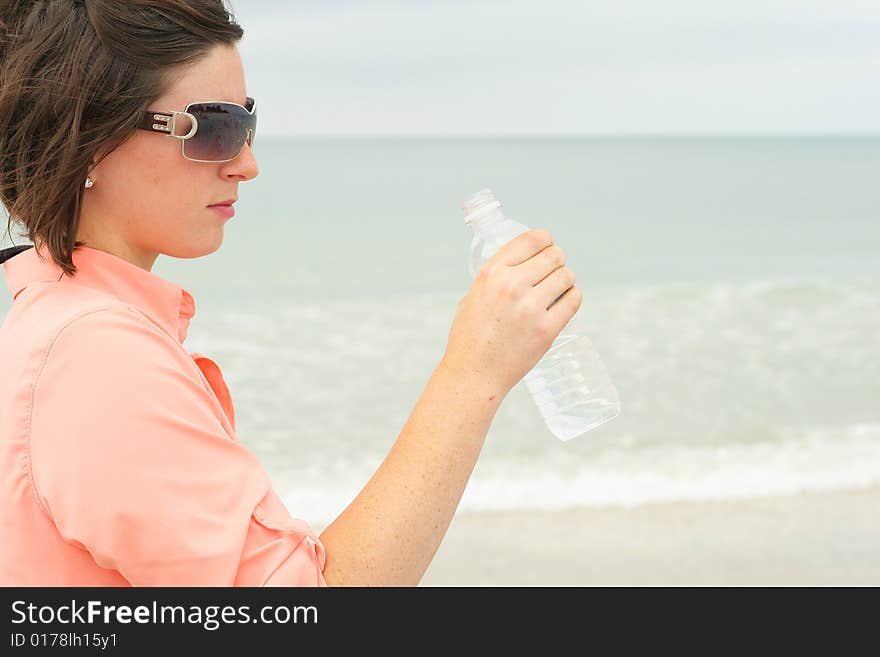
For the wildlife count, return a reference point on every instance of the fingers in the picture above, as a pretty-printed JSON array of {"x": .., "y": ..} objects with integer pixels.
[
  {"x": 554, "y": 285},
  {"x": 561, "y": 312},
  {"x": 522, "y": 247},
  {"x": 542, "y": 264}
]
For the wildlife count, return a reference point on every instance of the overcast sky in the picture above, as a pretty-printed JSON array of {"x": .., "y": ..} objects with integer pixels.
[{"x": 503, "y": 67}]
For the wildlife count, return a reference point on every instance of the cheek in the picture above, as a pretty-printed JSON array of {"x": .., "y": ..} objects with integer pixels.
[
  {"x": 154, "y": 184},
  {"x": 177, "y": 186},
  {"x": 157, "y": 166}
]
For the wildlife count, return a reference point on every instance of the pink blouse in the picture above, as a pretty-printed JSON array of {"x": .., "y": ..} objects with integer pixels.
[{"x": 119, "y": 461}]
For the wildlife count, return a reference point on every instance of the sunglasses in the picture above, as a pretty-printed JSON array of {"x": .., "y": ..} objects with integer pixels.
[{"x": 209, "y": 131}]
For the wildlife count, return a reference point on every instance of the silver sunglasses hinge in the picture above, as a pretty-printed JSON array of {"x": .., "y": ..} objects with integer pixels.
[
  {"x": 165, "y": 125},
  {"x": 169, "y": 123}
]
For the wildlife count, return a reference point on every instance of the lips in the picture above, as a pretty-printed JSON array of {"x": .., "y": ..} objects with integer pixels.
[
  {"x": 227, "y": 202},
  {"x": 227, "y": 211}
]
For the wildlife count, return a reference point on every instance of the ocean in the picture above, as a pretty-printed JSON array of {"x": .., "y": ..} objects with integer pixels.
[{"x": 731, "y": 285}]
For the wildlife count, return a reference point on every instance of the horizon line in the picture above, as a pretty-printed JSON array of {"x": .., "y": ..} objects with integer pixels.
[{"x": 618, "y": 135}]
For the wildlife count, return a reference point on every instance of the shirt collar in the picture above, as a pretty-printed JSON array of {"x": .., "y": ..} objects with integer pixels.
[{"x": 167, "y": 303}]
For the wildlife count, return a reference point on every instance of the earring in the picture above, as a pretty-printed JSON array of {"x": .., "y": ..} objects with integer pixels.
[{"x": 89, "y": 183}]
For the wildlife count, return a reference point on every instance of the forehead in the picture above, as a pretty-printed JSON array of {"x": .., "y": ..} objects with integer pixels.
[{"x": 219, "y": 75}]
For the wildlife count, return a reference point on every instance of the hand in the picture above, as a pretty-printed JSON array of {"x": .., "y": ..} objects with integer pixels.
[{"x": 509, "y": 318}]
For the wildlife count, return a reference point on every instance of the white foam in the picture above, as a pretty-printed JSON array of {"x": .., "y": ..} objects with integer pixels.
[{"x": 822, "y": 459}]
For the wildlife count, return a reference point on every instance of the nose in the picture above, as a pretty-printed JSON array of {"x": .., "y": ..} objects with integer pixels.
[{"x": 244, "y": 166}]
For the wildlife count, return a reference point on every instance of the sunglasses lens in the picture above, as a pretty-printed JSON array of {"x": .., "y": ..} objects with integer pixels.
[{"x": 222, "y": 131}]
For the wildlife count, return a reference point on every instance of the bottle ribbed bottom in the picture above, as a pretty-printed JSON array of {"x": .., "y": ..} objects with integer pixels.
[
  {"x": 580, "y": 418},
  {"x": 572, "y": 390}
]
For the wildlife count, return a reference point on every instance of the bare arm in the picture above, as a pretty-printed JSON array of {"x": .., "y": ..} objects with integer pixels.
[{"x": 402, "y": 514}]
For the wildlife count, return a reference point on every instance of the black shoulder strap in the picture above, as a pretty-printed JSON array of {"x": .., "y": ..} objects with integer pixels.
[{"x": 6, "y": 254}]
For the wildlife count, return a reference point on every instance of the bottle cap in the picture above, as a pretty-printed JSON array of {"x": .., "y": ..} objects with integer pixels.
[{"x": 479, "y": 203}]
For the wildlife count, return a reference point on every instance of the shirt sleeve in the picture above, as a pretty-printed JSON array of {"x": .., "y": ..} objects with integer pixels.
[{"x": 132, "y": 463}]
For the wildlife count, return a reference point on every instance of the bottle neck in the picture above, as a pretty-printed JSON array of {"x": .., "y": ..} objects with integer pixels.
[{"x": 485, "y": 218}]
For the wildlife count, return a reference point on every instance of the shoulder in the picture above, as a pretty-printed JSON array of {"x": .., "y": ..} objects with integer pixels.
[
  {"x": 76, "y": 338},
  {"x": 108, "y": 339},
  {"x": 112, "y": 372},
  {"x": 53, "y": 313}
]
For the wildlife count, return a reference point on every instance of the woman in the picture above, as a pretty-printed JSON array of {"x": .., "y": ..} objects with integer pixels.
[{"x": 122, "y": 126}]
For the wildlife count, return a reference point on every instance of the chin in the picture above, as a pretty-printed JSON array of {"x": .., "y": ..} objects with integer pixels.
[{"x": 197, "y": 249}]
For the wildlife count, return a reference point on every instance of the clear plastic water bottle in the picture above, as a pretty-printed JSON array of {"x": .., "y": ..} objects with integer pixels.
[{"x": 570, "y": 384}]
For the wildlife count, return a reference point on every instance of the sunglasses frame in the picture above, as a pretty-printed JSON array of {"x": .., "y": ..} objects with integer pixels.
[{"x": 166, "y": 122}]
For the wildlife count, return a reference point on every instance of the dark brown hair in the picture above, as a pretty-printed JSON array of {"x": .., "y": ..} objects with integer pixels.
[{"x": 75, "y": 78}]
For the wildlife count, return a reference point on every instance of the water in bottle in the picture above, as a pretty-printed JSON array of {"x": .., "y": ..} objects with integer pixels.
[{"x": 570, "y": 384}]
